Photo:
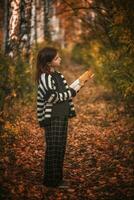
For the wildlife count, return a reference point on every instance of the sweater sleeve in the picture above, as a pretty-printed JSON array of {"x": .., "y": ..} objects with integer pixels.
[
  {"x": 73, "y": 91},
  {"x": 52, "y": 95}
]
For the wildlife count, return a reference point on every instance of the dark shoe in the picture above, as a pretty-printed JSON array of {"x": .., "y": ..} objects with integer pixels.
[{"x": 64, "y": 184}]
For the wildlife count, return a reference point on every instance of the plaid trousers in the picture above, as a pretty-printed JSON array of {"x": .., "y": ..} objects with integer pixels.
[{"x": 56, "y": 138}]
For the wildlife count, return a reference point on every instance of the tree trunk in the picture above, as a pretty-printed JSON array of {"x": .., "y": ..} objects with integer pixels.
[
  {"x": 33, "y": 39},
  {"x": 25, "y": 27},
  {"x": 47, "y": 36},
  {"x": 12, "y": 22},
  {"x": 40, "y": 21}
]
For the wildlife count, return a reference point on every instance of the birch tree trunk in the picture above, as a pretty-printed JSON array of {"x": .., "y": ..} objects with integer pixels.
[
  {"x": 33, "y": 39},
  {"x": 12, "y": 22},
  {"x": 37, "y": 27}
]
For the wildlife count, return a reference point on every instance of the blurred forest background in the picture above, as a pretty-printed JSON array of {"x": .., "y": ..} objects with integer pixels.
[{"x": 89, "y": 33}]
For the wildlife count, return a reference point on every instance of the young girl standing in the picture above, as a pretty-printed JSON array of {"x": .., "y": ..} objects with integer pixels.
[{"x": 54, "y": 107}]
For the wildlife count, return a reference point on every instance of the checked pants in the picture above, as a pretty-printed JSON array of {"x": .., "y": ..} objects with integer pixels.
[{"x": 56, "y": 138}]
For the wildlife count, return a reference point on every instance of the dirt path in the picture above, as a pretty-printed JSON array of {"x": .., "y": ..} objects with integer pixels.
[{"x": 99, "y": 154}]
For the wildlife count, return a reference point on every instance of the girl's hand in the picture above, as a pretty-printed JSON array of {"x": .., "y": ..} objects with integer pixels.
[{"x": 82, "y": 83}]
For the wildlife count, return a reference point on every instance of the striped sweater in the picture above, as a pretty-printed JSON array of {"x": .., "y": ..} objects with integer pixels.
[{"x": 47, "y": 96}]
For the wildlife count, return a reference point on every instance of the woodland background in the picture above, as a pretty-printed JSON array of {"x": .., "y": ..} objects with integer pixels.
[{"x": 96, "y": 34}]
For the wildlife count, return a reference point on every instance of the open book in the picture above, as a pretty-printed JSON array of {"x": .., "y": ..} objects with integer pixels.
[{"x": 77, "y": 84}]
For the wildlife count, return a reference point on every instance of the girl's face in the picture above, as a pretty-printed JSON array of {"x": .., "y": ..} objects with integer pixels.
[{"x": 56, "y": 61}]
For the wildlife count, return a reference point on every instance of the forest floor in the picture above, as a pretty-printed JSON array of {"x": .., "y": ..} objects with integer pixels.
[{"x": 99, "y": 154}]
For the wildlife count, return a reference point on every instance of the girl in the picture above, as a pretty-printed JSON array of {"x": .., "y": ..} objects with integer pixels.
[{"x": 54, "y": 107}]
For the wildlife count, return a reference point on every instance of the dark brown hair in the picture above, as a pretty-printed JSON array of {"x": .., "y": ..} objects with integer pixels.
[{"x": 44, "y": 59}]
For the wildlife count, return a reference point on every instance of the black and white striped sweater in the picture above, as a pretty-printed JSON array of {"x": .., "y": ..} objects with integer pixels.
[{"x": 47, "y": 96}]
